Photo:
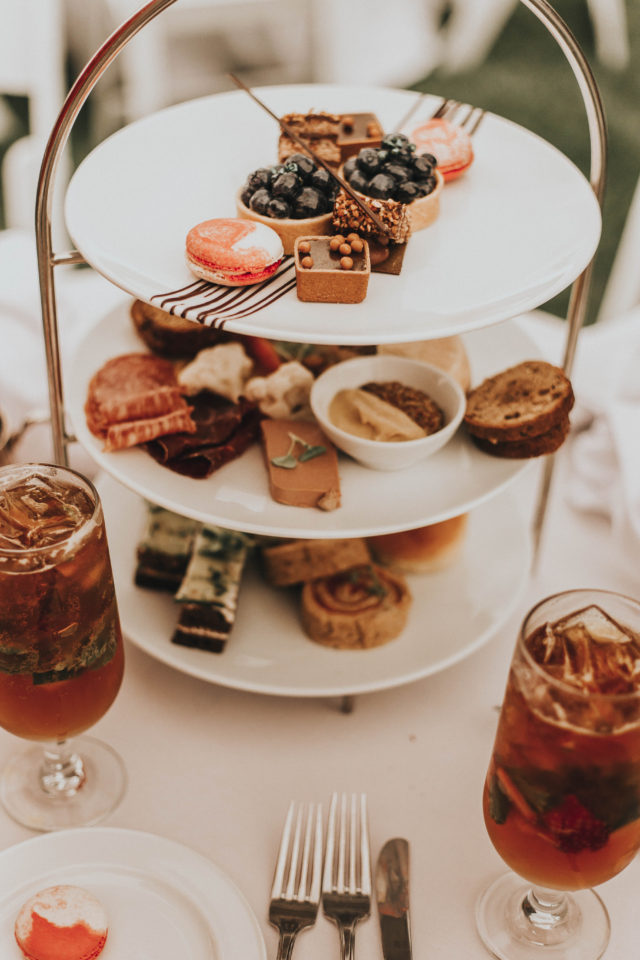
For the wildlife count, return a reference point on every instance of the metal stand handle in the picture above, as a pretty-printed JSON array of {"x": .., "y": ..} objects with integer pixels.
[{"x": 87, "y": 81}]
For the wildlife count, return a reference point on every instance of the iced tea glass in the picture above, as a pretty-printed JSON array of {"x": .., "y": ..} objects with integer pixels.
[
  {"x": 562, "y": 793},
  {"x": 61, "y": 656}
]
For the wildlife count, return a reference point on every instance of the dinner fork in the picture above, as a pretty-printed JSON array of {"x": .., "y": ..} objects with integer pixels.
[
  {"x": 295, "y": 895},
  {"x": 346, "y": 881},
  {"x": 462, "y": 114}
]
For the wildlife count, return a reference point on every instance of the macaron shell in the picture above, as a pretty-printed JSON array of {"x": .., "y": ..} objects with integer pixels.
[
  {"x": 233, "y": 246},
  {"x": 449, "y": 143},
  {"x": 61, "y": 923}
]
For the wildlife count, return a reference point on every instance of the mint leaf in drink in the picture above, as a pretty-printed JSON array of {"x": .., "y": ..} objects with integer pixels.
[{"x": 499, "y": 803}]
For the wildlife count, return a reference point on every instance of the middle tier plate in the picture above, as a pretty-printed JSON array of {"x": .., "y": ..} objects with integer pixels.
[{"x": 450, "y": 482}]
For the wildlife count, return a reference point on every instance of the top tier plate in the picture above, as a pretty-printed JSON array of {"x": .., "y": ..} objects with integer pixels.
[{"x": 515, "y": 230}]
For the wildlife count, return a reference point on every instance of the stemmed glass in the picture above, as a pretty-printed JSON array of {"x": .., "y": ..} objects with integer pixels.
[
  {"x": 61, "y": 655},
  {"x": 562, "y": 793}
]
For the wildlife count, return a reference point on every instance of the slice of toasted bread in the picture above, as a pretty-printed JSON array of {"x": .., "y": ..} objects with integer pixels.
[
  {"x": 524, "y": 401},
  {"x": 171, "y": 336},
  {"x": 547, "y": 442}
]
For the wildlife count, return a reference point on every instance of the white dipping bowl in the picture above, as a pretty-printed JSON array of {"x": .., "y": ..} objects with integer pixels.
[{"x": 382, "y": 454}]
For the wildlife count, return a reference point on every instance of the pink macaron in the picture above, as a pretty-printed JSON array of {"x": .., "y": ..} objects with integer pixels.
[
  {"x": 61, "y": 923},
  {"x": 448, "y": 143},
  {"x": 233, "y": 252}
]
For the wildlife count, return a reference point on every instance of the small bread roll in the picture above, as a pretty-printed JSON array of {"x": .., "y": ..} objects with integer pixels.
[
  {"x": 447, "y": 354},
  {"x": 422, "y": 550}
]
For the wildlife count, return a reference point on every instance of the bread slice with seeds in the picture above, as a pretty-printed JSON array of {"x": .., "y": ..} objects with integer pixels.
[{"x": 522, "y": 402}]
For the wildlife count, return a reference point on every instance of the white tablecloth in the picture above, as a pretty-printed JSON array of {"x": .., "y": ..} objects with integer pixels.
[{"x": 215, "y": 769}]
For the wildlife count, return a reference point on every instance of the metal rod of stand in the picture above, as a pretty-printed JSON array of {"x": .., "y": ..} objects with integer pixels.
[
  {"x": 46, "y": 260},
  {"x": 597, "y": 178}
]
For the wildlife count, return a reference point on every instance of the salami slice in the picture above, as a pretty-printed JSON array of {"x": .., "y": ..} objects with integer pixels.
[{"x": 131, "y": 387}]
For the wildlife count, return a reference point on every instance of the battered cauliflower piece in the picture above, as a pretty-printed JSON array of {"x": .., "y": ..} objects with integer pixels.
[
  {"x": 223, "y": 369},
  {"x": 284, "y": 393}
]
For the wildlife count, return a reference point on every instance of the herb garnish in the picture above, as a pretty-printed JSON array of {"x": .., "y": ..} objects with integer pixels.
[
  {"x": 374, "y": 587},
  {"x": 289, "y": 461}
]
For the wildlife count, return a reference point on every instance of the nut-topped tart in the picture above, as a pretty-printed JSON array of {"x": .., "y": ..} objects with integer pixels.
[{"x": 332, "y": 269}]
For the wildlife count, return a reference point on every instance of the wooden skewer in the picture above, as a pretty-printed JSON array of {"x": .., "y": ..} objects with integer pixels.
[
  {"x": 307, "y": 149},
  {"x": 410, "y": 112}
]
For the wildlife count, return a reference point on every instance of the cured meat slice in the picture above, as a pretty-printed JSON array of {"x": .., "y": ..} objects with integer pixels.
[
  {"x": 127, "y": 387},
  {"x": 224, "y": 430},
  {"x": 129, "y": 434}
]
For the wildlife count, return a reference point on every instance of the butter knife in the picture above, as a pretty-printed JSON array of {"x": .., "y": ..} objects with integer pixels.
[{"x": 392, "y": 894}]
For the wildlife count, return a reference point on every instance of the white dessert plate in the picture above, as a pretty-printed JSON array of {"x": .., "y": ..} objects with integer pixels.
[
  {"x": 516, "y": 229},
  {"x": 237, "y": 495},
  {"x": 162, "y": 899},
  {"x": 454, "y": 612}
]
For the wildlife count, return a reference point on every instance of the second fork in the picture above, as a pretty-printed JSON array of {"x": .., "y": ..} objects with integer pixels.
[{"x": 346, "y": 883}]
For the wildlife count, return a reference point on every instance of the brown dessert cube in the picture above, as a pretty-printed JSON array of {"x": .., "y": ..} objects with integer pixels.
[
  {"x": 331, "y": 277},
  {"x": 320, "y": 130},
  {"x": 358, "y": 130}
]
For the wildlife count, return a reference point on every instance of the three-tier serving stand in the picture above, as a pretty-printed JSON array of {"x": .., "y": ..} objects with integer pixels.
[{"x": 48, "y": 260}]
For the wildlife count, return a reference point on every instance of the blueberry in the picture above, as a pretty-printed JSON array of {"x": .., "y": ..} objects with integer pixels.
[
  {"x": 246, "y": 195},
  {"x": 368, "y": 161},
  {"x": 397, "y": 170},
  {"x": 400, "y": 155},
  {"x": 359, "y": 181},
  {"x": 322, "y": 180},
  {"x": 260, "y": 201},
  {"x": 422, "y": 168},
  {"x": 430, "y": 157},
  {"x": 304, "y": 166},
  {"x": 393, "y": 140},
  {"x": 287, "y": 185},
  {"x": 259, "y": 178},
  {"x": 408, "y": 191},
  {"x": 310, "y": 203},
  {"x": 276, "y": 171},
  {"x": 428, "y": 185},
  {"x": 349, "y": 166},
  {"x": 382, "y": 186},
  {"x": 278, "y": 208}
]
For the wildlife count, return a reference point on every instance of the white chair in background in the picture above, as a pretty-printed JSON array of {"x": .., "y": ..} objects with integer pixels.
[
  {"x": 475, "y": 25},
  {"x": 32, "y": 58},
  {"x": 622, "y": 291},
  {"x": 375, "y": 42},
  {"x": 188, "y": 49}
]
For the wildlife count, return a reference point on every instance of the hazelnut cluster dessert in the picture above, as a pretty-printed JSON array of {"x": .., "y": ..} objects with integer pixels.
[
  {"x": 296, "y": 189},
  {"x": 343, "y": 246},
  {"x": 392, "y": 171}
]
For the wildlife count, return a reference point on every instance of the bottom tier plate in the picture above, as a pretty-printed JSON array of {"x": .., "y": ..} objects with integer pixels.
[{"x": 454, "y": 612}]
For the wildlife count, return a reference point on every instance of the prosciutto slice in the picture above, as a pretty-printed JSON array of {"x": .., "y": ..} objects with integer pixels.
[{"x": 134, "y": 386}]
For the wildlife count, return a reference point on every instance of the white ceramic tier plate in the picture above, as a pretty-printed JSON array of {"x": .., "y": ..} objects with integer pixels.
[
  {"x": 512, "y": 232},
  {"x": 162, "y": 900},
  {"x": 453, "y": 480},
  {"x": 454, "y": 612}
]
